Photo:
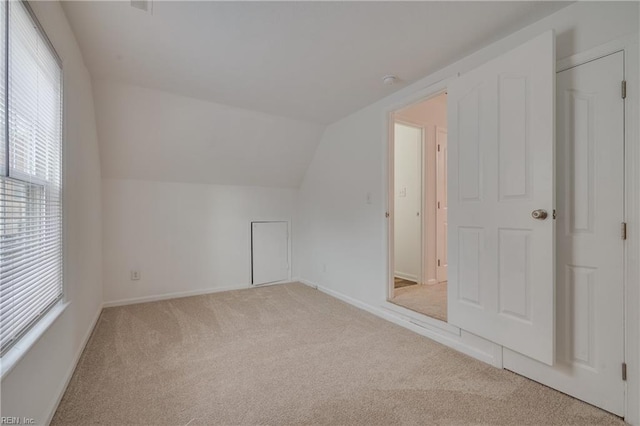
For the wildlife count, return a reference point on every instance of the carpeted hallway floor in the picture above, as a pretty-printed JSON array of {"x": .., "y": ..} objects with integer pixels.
[
  {"x": 428, "y": 299},
  {"x": 289, "y": 354}
]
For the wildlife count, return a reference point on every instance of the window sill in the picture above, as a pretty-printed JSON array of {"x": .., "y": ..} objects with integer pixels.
[{"x": 10, "y": 359}]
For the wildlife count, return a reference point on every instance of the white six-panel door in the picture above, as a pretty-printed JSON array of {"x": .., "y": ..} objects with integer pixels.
[
  {"x": 590, "y": 171},
  {"x": 501, "y": 168}
]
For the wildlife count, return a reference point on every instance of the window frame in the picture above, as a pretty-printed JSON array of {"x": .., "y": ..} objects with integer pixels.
[{"x": 31, "y": 332}]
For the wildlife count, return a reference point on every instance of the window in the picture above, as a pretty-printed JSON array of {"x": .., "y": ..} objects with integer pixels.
[{"x": 30, "y": 173}]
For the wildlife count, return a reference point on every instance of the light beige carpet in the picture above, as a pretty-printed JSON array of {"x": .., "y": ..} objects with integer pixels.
[
  {"x": 428, "y": 299},
  {"x": 285, "y": 355}
]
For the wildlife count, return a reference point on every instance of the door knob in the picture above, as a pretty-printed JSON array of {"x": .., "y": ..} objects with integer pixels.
[{"x": 539, "y": 214}]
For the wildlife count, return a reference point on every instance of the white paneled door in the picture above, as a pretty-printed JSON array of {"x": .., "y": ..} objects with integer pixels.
[
  {"x": 500, "y": 185},
  {"x": 590, "y": 171},
  {"x": 269, "y": 252}
]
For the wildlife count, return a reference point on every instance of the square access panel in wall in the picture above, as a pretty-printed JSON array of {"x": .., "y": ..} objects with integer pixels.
[{"x": 269, "y": 252}]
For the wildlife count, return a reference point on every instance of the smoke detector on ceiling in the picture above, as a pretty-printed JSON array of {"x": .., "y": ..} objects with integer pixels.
[
  {"x": 145, "y": 5},
  {"x": 388, "y": 80}
]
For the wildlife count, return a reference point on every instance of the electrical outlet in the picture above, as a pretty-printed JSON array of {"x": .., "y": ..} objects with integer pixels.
[{"x": 135, "y": 275}]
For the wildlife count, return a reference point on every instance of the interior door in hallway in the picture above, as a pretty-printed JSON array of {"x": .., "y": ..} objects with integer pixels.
[
  {"x": 407, "y": 202},
  {"x": 589, "y": 246},
  {"x": 441, "y": 205}
]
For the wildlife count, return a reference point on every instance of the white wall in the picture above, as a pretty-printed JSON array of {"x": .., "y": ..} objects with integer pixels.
[
  {"x": 182, "y": 180},
  {"x": 35, "y": 384},
  {"x": 339, "y": 230},
  {"x": 184, "y": 238},
  {"x": 152, "y": 135},
  {"x": 408, "y": 199}
]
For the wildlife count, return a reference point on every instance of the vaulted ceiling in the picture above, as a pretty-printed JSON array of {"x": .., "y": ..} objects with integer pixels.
[
  {"x": 239, "y": 92},
  {"x": 316, "y": 61}
]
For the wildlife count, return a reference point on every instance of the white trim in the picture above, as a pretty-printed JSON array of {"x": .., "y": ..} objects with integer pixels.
[
  {"x": 306, "y": 282},
  {"x": 289, "y": 252},
  {"x": 63, "y": 388},
  {"x": 407, "y": 277},
  {"x": 439, "y": 130},
  {"x": 596, "y": 53},
  {"x": 390, "y": 118},
  {"x": 180, "y": 294},
  {"x": 628, "y": 45},
  {"x": 632, "y": 216},
  {"x": 175, "y": 295},
  {"x": 415, "y": 326},
  {"x": 388, "y": 176},
  {"x": 422, "y": 319},
  {"x": 13, "y": 356},
  {"x": 287, "y": 281},
  {"x": 438, "y": 82}
]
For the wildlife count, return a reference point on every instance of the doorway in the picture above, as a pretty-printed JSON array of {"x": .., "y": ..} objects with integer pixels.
[
  {"x": 419, "y": 211},
  {"x": 556, "y": 316}
]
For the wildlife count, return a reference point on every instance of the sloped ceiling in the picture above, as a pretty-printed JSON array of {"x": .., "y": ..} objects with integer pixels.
[
  {"x": 153, "y": 135},
  {"x": 316, "y": 61},
  {"x": 239, "y": 92}
]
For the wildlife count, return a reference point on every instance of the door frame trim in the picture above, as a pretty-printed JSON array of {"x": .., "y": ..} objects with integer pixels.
[
  {"x": 631, "y": 274},
  {"x": 426, "y": 94},
  {"x": 289, "y": 252},
  {"x": 437, "y": 131},
  {"x": 630, "y": 46}
]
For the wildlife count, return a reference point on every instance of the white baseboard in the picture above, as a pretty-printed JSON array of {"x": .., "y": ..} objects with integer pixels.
[
  {"x": 379, "y": 312},
  {"x": 288, "y": 281},
  {"x": 408, "y": 277},
  {"x": 72, "y": 369},
  {"x": 175, "y": 295},
  {"x": 308, "y": 283},
  {"x": 179, "y": 294},
  {"x": 440, "y": 336}
]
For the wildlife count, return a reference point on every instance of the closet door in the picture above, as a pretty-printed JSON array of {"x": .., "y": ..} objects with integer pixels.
[{"x": 269, "y": 252}]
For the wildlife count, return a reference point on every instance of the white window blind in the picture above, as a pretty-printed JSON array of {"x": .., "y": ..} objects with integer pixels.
[
  {"x": 31, "y": 179},
  {"x": 3, "y": 89}
]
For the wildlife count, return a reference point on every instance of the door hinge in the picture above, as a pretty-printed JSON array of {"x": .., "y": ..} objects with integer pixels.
[
  {"x": 386, "y": 214},
  {"x": 555, "y": 213},
  {"x": 623, "y": 89},
  {"x": 438, "y": 147},
  {"x": 623, "y": 230},
  {"x": 624, "y": 371},
  {"x": 438, "y": 262},
  {"x": 438, "y": 204}
]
